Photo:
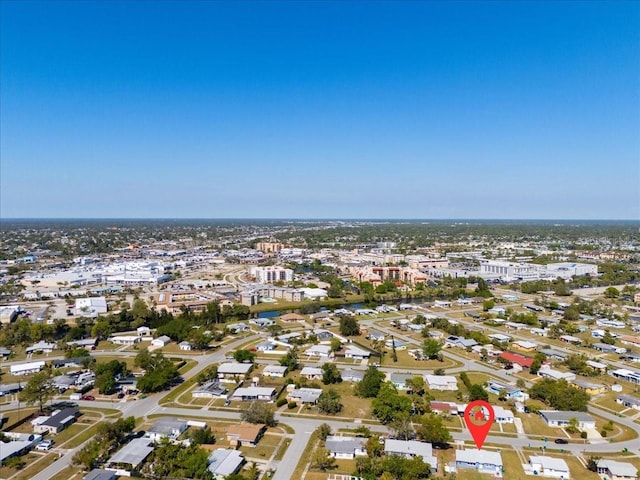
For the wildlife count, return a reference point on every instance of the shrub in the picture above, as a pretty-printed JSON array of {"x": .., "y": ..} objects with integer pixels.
[
  {"x": 603, "y": 432},
  {"x": 583, "y": 435},
  {"x": 292, "y": 405}
]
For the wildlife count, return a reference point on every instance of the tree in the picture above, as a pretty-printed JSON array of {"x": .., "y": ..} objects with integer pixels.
[
  {"x": 243, "y": 356},
  {"x": 389, "y": 405},
  {"x": 329, "y": 402},
  {"x": 202, "y": 436},
  {"x": 592, "y": 463},
  {"x": 370, "y": 384},
  {"x": 330, "y": 374},
  {"x": 349, "y": 326},
  {"x": 431, "y": 429},
  {"x": 373, "y": 446},
  {"x": 38, "y": 389},
  {"x": 476, "y": 392},
  {"x": 323, "y": 460},
  {"x": 559, "y": 395},
  {"x": 159, "y": 371},
  {"x": 560, "y": 288},
  {"x": 402, "y": 426},
  {"x": 612, "y": 292},
  {"x": 431, "y": 348},
  {"x": 259, "y": 412},
  {"x": 290, "y": 360},
  {"x": 336, "y": 345},
  {"x": 573, "y": 425},
  {"x": 608, "y": 338},
  {"x": 324, "y": 431}
]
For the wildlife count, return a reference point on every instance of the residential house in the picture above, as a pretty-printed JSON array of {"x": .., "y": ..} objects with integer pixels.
[
  {"x": 517, "y": 359},
  {"x": 589, "y": 387},
  {"x": 395, "y": 343},
  {"x": 345, "y": 448},
  {"x": 161, "y": 341},
  {"x": 624, "y": 374},
  {"x": 544, "y": 466},
  {"x": 185, "y": 346},
  {"x": 352, "y": 375},
  {"x": 231, "y": 371},
  {"x": 553, "y": 354},
  {"x": 629, "y": 401},
  {"x": 557, "y": 418},
  {"x": 375, "y": 335},
  {"x": 26, "y": 368},
  {"x": 547, "y": 372},
  {"x": 99, "y": 474},
  {"x": 266, "y": 346},
  {"x": 512, "y": 392},
  {"x": 274, "y": 371},
  {"x": 311, "y": 373},
  {"x": 292, "y": 318},
  {"x": 524, "y": 346},
  {"x": 412, "y": 449},
  {"x": 399, "y": 380},
  {"x": 483, "y": 461},
  {"x": 41, "y": 346},
  {"x": 132, "y": 455},
  {"x": 570, "y": 339},
  {"x": 601, "y": 367},
  {"x": 322, "y": 351},
  {"x": 447, "y": 408},
  {"x": 249, "y": 394},
  {"x": 211, "y": 389},
  {"x": 613, "y": 470},
  {"x": 499, "y": 337},
  {"x": 143, "y": 331},
  {"x": 441, "y": 382},
  {"x": 606, "y": 348},
  {"x": 356, "y": 353},
  {"x": 125, "y": 339},
  {"x": 166, "y": 427},
  {"x": 304, "y": 395},
  {"x": 245, "y": 434},
  {"x": 224, "y": 462},
  {"x": 57, "y": 422}
]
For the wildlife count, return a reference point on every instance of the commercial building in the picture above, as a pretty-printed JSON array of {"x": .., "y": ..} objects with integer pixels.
[{"x": 271, "y": 274}]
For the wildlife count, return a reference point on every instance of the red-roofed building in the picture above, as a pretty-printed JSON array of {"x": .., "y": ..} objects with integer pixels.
[
  {"x": 444, "y": 407},
  {"x": 521, "y": 360}
]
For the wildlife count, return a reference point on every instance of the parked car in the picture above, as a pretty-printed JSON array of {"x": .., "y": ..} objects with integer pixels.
[
  {"x": 88, "y": 397},
  {"x": 121, "y": 395},
  {"x": 561, "y": 441},
  {"x": 45, "y": 445}
]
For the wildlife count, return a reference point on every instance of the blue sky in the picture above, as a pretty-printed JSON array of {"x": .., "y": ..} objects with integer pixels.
[{"x": 320, "y": 109}]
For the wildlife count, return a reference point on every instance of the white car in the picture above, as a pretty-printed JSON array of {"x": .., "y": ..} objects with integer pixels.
[{"x": 45, "y": 445}]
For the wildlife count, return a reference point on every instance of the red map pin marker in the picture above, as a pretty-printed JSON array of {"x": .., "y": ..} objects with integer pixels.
[{"x": 479, "y": 417}]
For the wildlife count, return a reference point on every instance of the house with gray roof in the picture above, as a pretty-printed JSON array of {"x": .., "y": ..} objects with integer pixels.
[
  {"x": 249, "y": 394},
  {"x": 58, "y": 421},
  {"x": 166, "y": 427},
  {"x": 211, "y": 389},
  {"x": 557, "y": 418},
  {"x": 132, "y": 454},
  {"x": 350, "y": 375},
  {"x": 614, "y": 470},
  {"x": 99, "y": 474},
  {"x": 411, "y": 449},
  {"x": 544, "y": 466},
  {"x": 629, "y": 401},
  {"x": 345, "y": 447},
  {"x": 224, "y": 462},
  {"x": 304, "y": 395}
]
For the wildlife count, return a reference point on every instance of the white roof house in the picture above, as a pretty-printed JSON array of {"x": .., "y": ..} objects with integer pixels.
[
  {"x": 26, "y": 368},
  {"x": 311, "y": 373},
  {"x": 167, "y": 427},
  {"x": 224, "y": 462},
  {"x": 411, "y": 449},
  {"x": 617, "y": 470},
  {"x": 558, "y": 418},
  {"x": 233, "y": 369},
  {"x": 91, "y": 307},
  {"x": 161, "y": 341},
  {"x": 355, "y": 352},
  {"x": 549, "y": 467},
  {"x": 133, "y": 453},
  {"x": 345, "y": 447},
  {"x": 484, "y": 461},
  {"x": 318, "y": 351},
  {"x": 441, "y": 382},
  {"x": 254, "y": 393},
  {"x": 274, "y": 371}
]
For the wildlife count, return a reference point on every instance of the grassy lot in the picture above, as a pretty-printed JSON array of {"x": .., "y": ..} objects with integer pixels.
[
  {"x": 283, "y": 449},
  {"x": 69, "y": 432},
  {"x": 66, "y": 474},
  {"x": 346, "y": 467},
  {"x": 305, "y": 458},
  {"x": 265, "y": 448},
  {"x": 534, "y": 425},
  {"x": 35, "y": 464},
  {"x": 353, "y": 407},
  {"x": 179, "y": 390}
]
